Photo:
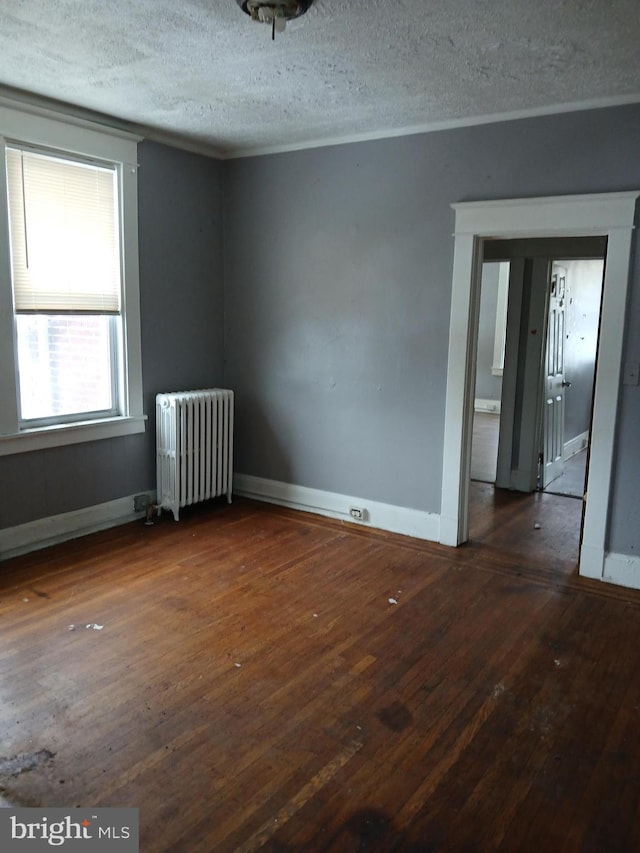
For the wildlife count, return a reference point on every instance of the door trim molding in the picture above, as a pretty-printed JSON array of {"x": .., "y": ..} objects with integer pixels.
[{"x": 607, "y": 214}]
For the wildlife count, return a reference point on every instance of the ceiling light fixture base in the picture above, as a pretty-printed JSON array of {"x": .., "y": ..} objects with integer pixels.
[{"x": 275, "y": 13}]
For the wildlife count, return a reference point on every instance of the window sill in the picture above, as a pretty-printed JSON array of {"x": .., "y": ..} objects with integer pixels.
[{"x": 63, "y": 434}]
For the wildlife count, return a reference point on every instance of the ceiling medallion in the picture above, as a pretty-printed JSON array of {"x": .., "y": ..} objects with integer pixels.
[{"x": 276, "y": 14}]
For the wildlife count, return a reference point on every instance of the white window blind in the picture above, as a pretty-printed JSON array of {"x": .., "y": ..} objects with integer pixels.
[{"x": 64, "y": 235}]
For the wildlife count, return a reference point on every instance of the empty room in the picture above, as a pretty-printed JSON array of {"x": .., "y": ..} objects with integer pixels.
[{"x": 296, "y": 363}]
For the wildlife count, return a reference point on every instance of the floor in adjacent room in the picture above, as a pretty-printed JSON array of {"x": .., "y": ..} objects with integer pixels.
[
  {"x": 269, "y": 680},
  {"x": 484, "y": 455},
  {"x": 545, "y": 522}
]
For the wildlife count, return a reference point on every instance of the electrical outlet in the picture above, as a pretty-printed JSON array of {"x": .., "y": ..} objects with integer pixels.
[{"x": 358, "y": 512}]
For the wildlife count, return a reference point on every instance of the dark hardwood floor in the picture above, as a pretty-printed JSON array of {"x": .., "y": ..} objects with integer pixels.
[
  {"x": 264, "y": 679},
  {"x": 539, "y": 527}
]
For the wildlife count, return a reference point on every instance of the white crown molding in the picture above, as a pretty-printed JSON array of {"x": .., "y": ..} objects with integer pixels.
[
  {"x": 432, "y": 127},
  {"x": 182, "y": 143},
  {"x": 83, "y": 117},
  {"x": 35, "y": 106}
]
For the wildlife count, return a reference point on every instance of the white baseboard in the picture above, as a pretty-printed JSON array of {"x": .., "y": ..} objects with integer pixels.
[
  {"x": 491, "y": 406},
  {"x": 619, "y": 569},
  {"x": 69, "y": 525},
  {"x": 396, "y": 519},
  {"x": 575, "y": 445},
  {"x": 623, "y": 570}
]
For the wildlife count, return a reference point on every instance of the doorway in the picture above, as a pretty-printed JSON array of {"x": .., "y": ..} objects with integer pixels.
[
  {"x": 547, "y": 360},
  {"x": 545, "y": 345},
  {"x": 610, "y": 216}
]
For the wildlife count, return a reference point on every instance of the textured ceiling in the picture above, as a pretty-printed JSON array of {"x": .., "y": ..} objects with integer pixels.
[{"x": 202, "y": 71}]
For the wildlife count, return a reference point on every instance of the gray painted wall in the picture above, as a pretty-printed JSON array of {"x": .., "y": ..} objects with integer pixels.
[
  {"x": 337, "y": 279},
  {"x": 182, "y": 339},
  {"x": 337, "y": 298},
  {"x": 338, "y": 267},
  {"x": 181, "y": 276},
  {"x": 582, "y": 316},
  {"x": 488, "y": 386}
]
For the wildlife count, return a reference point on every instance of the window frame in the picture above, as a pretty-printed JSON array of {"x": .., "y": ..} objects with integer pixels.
[{"x": 42, "y": 128}]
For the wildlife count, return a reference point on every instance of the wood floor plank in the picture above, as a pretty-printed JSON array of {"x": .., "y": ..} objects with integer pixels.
[{"x": 265, "y": 679}]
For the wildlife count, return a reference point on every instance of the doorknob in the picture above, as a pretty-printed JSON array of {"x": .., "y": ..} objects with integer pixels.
[{"x": 566, "y": 384}]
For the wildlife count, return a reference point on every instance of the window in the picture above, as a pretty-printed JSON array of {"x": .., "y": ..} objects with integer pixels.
[
  {"x": 69, "y": 305},
  {"x": 65, "y": 258}
]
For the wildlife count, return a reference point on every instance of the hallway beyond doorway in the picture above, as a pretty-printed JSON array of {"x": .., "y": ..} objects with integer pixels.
[
  {"x": 484, "y": 454},
  {"x": 539, "y": 529}
]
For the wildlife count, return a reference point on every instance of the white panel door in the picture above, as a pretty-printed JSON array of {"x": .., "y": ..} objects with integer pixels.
[{"x": 555, "y": 383}]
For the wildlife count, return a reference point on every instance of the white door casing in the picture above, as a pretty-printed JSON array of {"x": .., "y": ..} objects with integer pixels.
[{"x": 607, "y": 214}]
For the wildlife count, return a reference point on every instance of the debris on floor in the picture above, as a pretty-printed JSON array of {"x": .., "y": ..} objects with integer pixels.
[
  {"x": 392, "y": 601},
  {"x": 536, "y": 526},
  {"x": 94, "y": 626},
  {"x": 22, "y": 763}
]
